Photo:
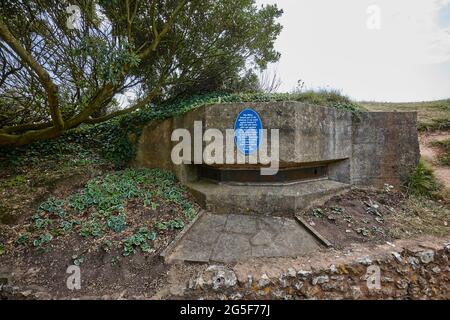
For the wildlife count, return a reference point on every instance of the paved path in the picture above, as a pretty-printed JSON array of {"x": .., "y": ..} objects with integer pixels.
[{"x": 229, "y": 238}]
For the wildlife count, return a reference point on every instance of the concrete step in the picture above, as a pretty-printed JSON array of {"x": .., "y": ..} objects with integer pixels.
[{"x": 279, "y": 200}]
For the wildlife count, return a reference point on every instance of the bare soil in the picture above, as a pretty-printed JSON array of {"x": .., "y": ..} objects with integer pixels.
[{"x": 105, "y": 272}]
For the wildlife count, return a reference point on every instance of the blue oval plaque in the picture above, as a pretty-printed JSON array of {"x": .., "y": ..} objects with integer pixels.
[{"x": 247, "y": 131}]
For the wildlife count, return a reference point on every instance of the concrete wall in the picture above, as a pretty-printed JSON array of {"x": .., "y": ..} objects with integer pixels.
[
  {"x": 385, "y": 147},
  {"x": 308, "y": 133},
  {"x": 363, "y": 149}
]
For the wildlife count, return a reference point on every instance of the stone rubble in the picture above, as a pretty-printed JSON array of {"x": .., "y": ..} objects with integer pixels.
[{"x": 407, "y": 273}]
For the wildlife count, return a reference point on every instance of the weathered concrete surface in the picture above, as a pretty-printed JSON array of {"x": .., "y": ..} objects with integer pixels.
[
  {"x": 362, "y": 149},
  {"x": 282, "y": 200},
  {"x": 308, "y": 133},
  {"x": 385, "y": 148},
  {"x": 374, "y": 147},
  {"x": 229, "y": 238}
]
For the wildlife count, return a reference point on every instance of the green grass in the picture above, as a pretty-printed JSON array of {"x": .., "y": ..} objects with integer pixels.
[
  {"x": 444, "y": 146},
  {"x": 422, "y": 182},
  {"x": 432, "y": 115}
]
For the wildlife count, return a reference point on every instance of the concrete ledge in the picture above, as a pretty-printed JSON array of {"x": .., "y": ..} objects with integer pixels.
[
  {"x": 313, "y": 231},
  {"x": 280, "y": 200}
]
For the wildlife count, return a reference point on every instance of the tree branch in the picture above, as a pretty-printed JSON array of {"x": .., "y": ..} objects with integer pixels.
[{"x": 43, "y": 76}]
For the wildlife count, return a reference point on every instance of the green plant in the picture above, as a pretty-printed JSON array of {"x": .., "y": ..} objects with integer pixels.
[
  {"x": 115, "y": 260},
  {"x": 175, "y": 224},
  {"x": 42, "y": 240},
  {"x": 53, "y": 205},
  {"x": 138, "y": 240},
  {"x": 22, "y": 240},
  {"x": 317, "y": 212},
  {"x": 77, "y": 260},
  {"x": 107, "y": 245},
  {"x": 41, "y": 223},
  {"x": 161, "y": 226},
  {"x": 92, "y": 228},
  {"x": 66, "y": 226},
  {"x": 2, "y": 249},
  {"x": 172, "y": 224},
  {"x": 337, "y": 210},
  {"x": 117, "y": 223},
  {"x": 422, "y": 181}
]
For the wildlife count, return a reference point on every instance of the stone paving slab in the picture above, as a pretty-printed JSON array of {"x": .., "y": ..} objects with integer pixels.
[{"x": 230, "y": 238}]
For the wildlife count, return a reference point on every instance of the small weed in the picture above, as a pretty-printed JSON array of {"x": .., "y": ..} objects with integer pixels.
[
  {"x": 52, "y": 205},
  {"x": 337, "y": 210},
  {"x": 41, "y": 223},
  {"x": 115, "y": 260},
  {"x": 117, "y": 223},
  {"x": 422, "y": 181},
  {"x": 66, "y": 226},
  {"x": 161, "y": 226},
  {"x": 317, "y": 212},
  {"x": 42, "y": 240},
  {"x": 22, "y": 240},
  {"x": 107, "y": 245},
  {"x": 15, "y": 182},
  {"x": 372, "y": 208},
  {"x": 172, "y": 225},
  {"x": 2, "y": 249},
  {"x": 77, "y": 260},
  {"x": 138, "y": 240},
  {"x": 175, "y": 224},
  {"x": 363, "y": 231},
  {"x": 92, "y": 228},
  {"x": 190, "y": 214},
  {"x": 387, "y": 188}
]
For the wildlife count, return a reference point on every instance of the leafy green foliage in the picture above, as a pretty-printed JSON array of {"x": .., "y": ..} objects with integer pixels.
[
  {"x": 422, "y": 181},
  {"x": 66, "y": 226},
  {"x": 41, "y": 222},
  {"x": 22, "y": 240},
  {"x": 77, "y": 260},
  {"x": 117, "y": 223},
  {"x": 138, "y": 240},
  {"x": 107, "y": 245},
  {"x": 92, "y": 228},
  {"x": 172, "y": 225},
  {"x": 173, "y": 48},
  {"x": 99, "y": 210},
  {"x": 42, "y": 240}
]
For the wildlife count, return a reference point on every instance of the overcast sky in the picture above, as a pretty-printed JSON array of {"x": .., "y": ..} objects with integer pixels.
[{"x": 402, "y": 56}]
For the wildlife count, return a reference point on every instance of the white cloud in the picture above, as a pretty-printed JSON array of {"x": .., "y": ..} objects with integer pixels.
[{"x": 327, "y": 43}]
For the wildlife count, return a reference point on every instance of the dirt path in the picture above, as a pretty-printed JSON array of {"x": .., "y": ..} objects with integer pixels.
[{"x": 430, "y": 153}]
